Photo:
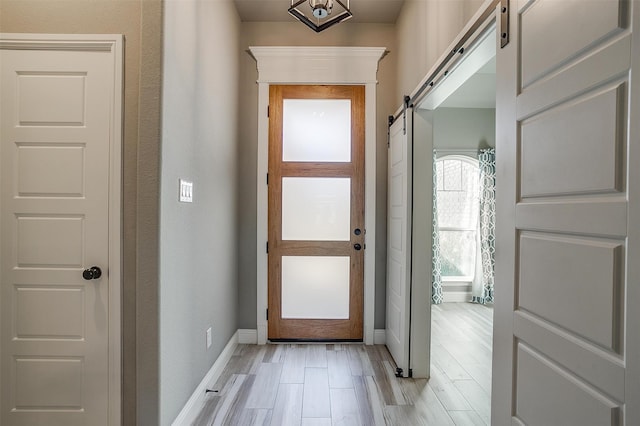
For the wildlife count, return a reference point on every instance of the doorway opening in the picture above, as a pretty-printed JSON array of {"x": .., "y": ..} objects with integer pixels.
[
  {"x": 461, "y": 110},
  {"x": 462, "y": 297}
]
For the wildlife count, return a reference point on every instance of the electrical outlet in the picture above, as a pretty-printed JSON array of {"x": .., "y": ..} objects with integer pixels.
[
  {"x": 185, "y": 194},
  {"x": 209, "y": 338}
]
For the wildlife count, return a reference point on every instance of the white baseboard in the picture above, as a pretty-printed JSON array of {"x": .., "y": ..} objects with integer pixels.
[
  {"x": 247, "y": 336},
  {"x": 250, "y": 337},
  {"x": 456, "y": 296},
  {"x": 194, "y": 404}
]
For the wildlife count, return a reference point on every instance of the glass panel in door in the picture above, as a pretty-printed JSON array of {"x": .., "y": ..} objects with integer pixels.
[
  {"x": 317, "y": 130},
  {"x": 316, "y": 208}
]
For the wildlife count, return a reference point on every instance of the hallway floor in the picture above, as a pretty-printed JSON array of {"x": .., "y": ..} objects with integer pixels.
[{"x": 353, "y": 384}]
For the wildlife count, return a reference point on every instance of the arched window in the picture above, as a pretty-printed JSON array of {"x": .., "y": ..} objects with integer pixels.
[{"x": 457, "y": 191}]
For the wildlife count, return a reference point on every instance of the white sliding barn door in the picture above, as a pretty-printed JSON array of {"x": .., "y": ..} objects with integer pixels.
[
  {"x": 58, "y": 144},
  {"x": 399, "y": 241},
  {"x": 566, "y": 314}
]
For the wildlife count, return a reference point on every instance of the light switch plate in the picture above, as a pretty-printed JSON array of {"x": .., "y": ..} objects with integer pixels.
[{"x": 186, "y": 191}]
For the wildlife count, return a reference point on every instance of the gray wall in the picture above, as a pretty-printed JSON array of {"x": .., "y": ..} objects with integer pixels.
[
  {"x": 464, "y": 128},
  {"x": 198, "y": 241},
  {"x": 296, "y": 34},
  {"x": 140, "y": 22},
  {"x": 424, "y": 31}
]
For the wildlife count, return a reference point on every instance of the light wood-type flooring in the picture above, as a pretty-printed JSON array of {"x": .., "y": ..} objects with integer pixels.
[{"x": 353, "y": 384}]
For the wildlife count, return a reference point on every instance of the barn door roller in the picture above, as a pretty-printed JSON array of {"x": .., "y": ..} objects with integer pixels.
[{"x": 504, "y": 23}]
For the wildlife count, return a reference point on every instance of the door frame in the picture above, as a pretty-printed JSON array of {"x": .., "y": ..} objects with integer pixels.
[
  {"x": 351, "y": 169},
  {"x": 316, "y": 65},
  {"x": 114, "y": 44},
  {"x": 421, "y": 104}
]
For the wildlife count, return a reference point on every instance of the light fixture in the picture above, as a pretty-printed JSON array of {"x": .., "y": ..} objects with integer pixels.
[{"x": 321, "y": 11}]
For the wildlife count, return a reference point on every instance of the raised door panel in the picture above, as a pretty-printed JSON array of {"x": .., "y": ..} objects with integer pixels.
[
  {"x": 49, "y": 242},
  {"x": 61, "y": 313},
  {"x": 63, "y": 377},
  {"x": 555, "y": 31},
  {"x": 51, "y": 98},
  {"x": 539, "y": 383},
  {"x": 574, "y": 283},
  {"x": 592, "y": 164},
  {"x": 61, "y": 170}
]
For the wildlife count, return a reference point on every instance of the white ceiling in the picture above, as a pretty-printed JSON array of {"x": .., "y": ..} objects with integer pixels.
[
  {"x": 479, "y": 91},
  {"x": 364, "y": 11}
]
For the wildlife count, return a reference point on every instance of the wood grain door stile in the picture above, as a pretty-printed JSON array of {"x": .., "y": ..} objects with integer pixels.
[{"x": 316, "y": 329}]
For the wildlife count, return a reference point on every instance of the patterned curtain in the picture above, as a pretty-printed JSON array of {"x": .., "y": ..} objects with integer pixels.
[
  {"x": 487, "y": 225},
  {"x": 436, "y": 262}
]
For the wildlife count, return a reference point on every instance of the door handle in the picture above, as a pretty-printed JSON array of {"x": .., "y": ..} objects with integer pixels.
[
  {"x": 357, "y": 246},
  {"x": 92, "y": 273}
]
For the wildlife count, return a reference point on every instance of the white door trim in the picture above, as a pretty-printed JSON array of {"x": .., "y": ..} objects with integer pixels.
[
  {"x": 105, "y": 43},
  {"x": 317, "y": 65}
]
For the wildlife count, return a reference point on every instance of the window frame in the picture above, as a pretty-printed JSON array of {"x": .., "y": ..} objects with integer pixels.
[{"x": 469, "y": 159}]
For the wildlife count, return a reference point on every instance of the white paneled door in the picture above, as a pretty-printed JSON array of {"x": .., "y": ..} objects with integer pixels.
[
  {"x": 57, "y": 123},
  {"x": 399, "y": 210},
  {"x": 566, "y": 336}
]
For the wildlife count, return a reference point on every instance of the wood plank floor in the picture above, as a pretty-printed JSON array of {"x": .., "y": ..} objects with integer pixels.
[{"x": 353, "y": 384}]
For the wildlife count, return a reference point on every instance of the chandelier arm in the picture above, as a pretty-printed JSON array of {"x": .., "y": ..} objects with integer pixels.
[
  {"x": 342, "y": 17},
  {"x": 300, "y": 17},
  {"x": 346, "y": 8}
]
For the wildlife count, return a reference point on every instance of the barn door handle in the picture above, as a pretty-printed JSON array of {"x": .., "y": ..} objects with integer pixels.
[
  {"x": 92, "y": 273},
  {"x": 357, "y": 246}
]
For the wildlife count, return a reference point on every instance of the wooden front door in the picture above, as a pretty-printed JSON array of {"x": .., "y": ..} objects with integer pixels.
[{"x": 316, "y": 212}]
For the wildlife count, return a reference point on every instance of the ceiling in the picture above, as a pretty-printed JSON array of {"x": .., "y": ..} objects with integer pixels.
[
  {"x": 364, "y": 11},
  {"x": 479, "y": 91}
]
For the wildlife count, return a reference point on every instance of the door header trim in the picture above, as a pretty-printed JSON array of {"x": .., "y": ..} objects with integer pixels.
[
  {"x": 317, "y": 65},
  {"x": 64, "y": 42}
]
